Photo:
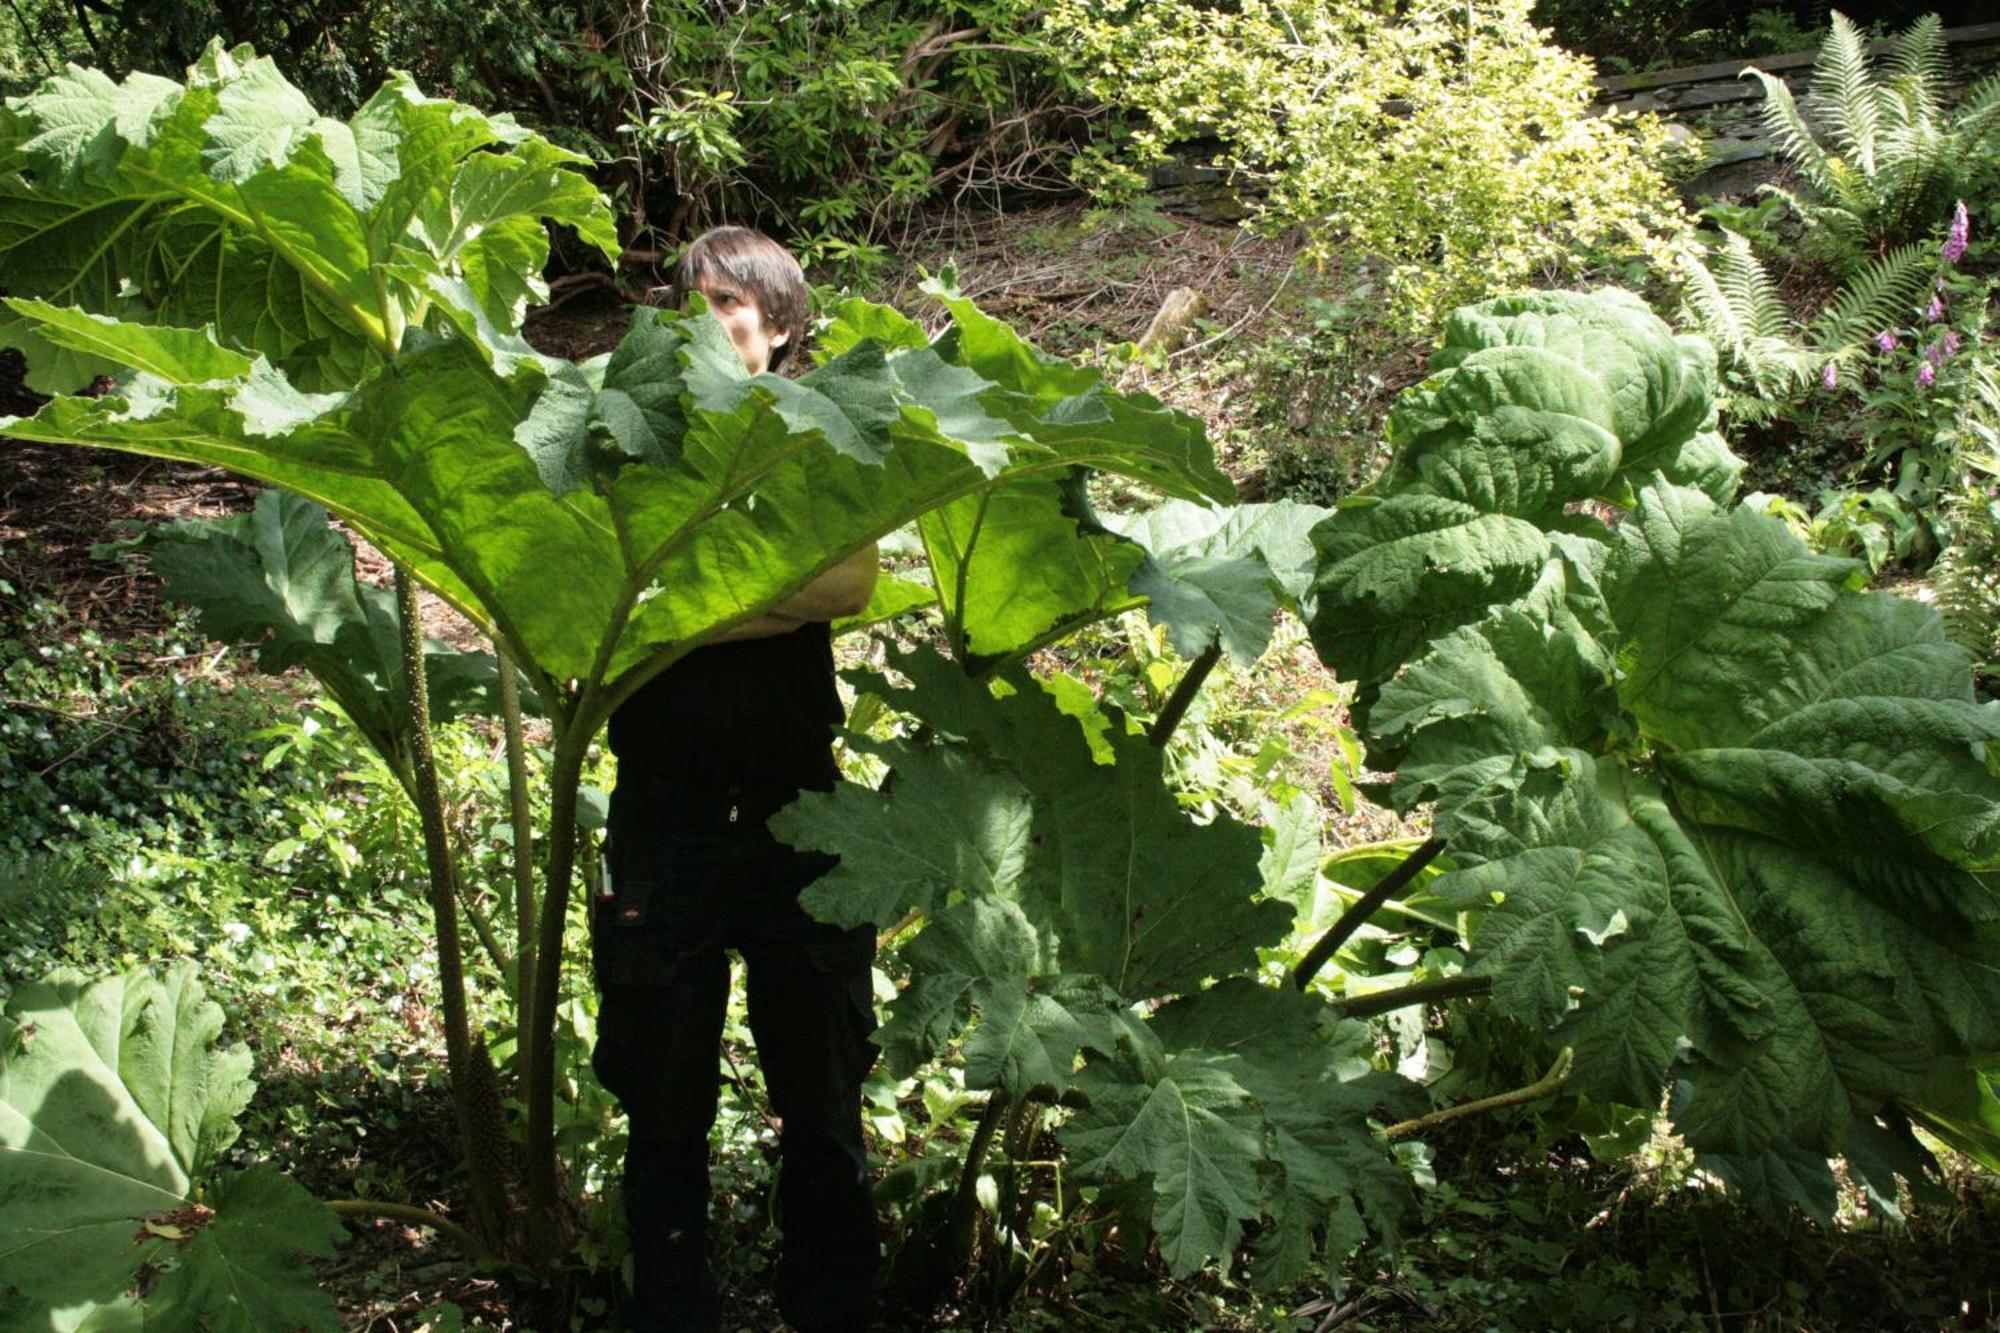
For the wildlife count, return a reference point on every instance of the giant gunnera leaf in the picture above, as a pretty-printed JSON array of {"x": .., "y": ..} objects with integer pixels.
[
  {"x": 1536, "y": 403},
  {"x": 280, "y": 578},
  {"x": 1060, "y": 882},
  {"x": 1724, "y": 823},
  {"x": 228, "y": 200},
  {"x": 1247, "y": 1103},
  {"x": 115, "y": 1104}
]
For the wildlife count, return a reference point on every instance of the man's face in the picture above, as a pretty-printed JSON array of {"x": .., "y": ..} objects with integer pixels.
[{"x": 739, "y": 312}]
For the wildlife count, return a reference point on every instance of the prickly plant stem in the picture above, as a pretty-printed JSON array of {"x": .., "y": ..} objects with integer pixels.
[
  {"x": 1362, "y": 908},
  {"x": 1185, "y": 690},
  {"x": 965, "y": 1199},
  {"x": 1546, "y": 1086},
  {"x": 522, "y": 818},
  {"x": 572, "y": 739},
  {"x": 488, "y": 1200}
]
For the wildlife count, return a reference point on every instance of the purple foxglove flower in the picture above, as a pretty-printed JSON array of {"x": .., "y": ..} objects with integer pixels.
[
  {"x": 1961, "y": 231},
  {"x": 1885, "y": 341},
  {"x": 1934, "y": 354},
  {"x": 1948, "y": 345},
  {"x": 1829, "y": 377},
  {"x": 1926, "y": 376},
  {"x": 1935, "y": 310}
]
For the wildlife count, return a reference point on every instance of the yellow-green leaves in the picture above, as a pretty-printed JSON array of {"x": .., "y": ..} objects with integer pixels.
[{"x": 1447, "y": 137}]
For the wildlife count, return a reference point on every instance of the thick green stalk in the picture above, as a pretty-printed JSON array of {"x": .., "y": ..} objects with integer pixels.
[
  {"x": 474, "y": 1248},
  {"x": 1023, "y": 1124},
  {"x": 1362, "y": 908},
  {"x": 1188, "y": 687},
  {"x": 565, "y": 772},
  {"x": 1548, "y": 1085},
  {"x": 1402, "y": 997},
  {"x": 489, "y": 1200},
  {"x": 524, "y": 850},
  {"x": 965, "y": 1199}
]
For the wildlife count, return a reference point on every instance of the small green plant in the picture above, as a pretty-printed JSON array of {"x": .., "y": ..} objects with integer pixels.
[
  {"x": 1875, "y": 527},
  {"x": 1888, "y": 162}
]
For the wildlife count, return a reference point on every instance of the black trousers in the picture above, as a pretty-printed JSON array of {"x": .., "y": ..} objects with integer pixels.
[{"x": 684, "y": 891}]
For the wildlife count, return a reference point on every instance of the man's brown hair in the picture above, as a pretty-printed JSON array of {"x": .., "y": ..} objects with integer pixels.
[{"x": 759, "y": 265}]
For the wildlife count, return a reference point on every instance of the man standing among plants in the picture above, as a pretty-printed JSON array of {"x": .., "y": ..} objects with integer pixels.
[{"x": 706, "y": 752}]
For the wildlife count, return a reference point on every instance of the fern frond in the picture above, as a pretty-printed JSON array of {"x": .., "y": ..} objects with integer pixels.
[
  {"x": 1917, "y": 183},
  {"x": 1708, "y": 307},
  {"x": 1844, "y": 96},
  {"x": 1966, "y": 578},
  {"x": 1882, "y": 295},
  {"x": 1917, "y": 69},
  {"x": 1980, "y": 97},
  {"x": 1780, "y": 368},
  {"x": 1977, "y": 118},
  {"x": 1751, "y": 292},
  {"x": 1783, "y": 123},
  {"x": 1732, "y": 300}
]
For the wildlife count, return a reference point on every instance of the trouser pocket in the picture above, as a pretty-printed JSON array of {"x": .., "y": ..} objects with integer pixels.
[{"x": 657, "y": 910}]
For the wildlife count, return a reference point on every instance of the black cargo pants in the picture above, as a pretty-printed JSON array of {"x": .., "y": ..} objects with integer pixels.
[{"x": 690, "y": 879}]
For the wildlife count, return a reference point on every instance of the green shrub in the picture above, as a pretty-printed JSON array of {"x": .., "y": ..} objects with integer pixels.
[{"x": 1449, "y": 140}]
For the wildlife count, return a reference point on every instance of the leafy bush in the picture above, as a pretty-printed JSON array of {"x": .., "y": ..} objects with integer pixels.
[
  {"x": 1448, "y": 139},
  {"x": 1892, "y": 163},
  {"x": 832, "y": 119},
  {"x": 1725, "y": 824}
]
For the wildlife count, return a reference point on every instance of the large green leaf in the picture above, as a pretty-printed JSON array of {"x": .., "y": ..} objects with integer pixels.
[
  {"x": 1721, "y": 821},
  {"x": 1215, "y": 576},
  {"x": 115, "y": 1103},
  {"x": 1536, "y": 403},
  {"x": 1397, "y": 573},
  {"x": 601, "y": 553},
  {"x": 1028, "y": 560},
  {"x": 229, "y": 201},
  {"x": 951, "y": 822},
  {"x": 1242, "y": 1103},
  {"x": 280, "y": 578},
  {"x": 1797, "y": 921},
  {"x": 983, "y": 957},
  {"x": 1021, "y": 564},
  {"x": 1133, "y": 890}
]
